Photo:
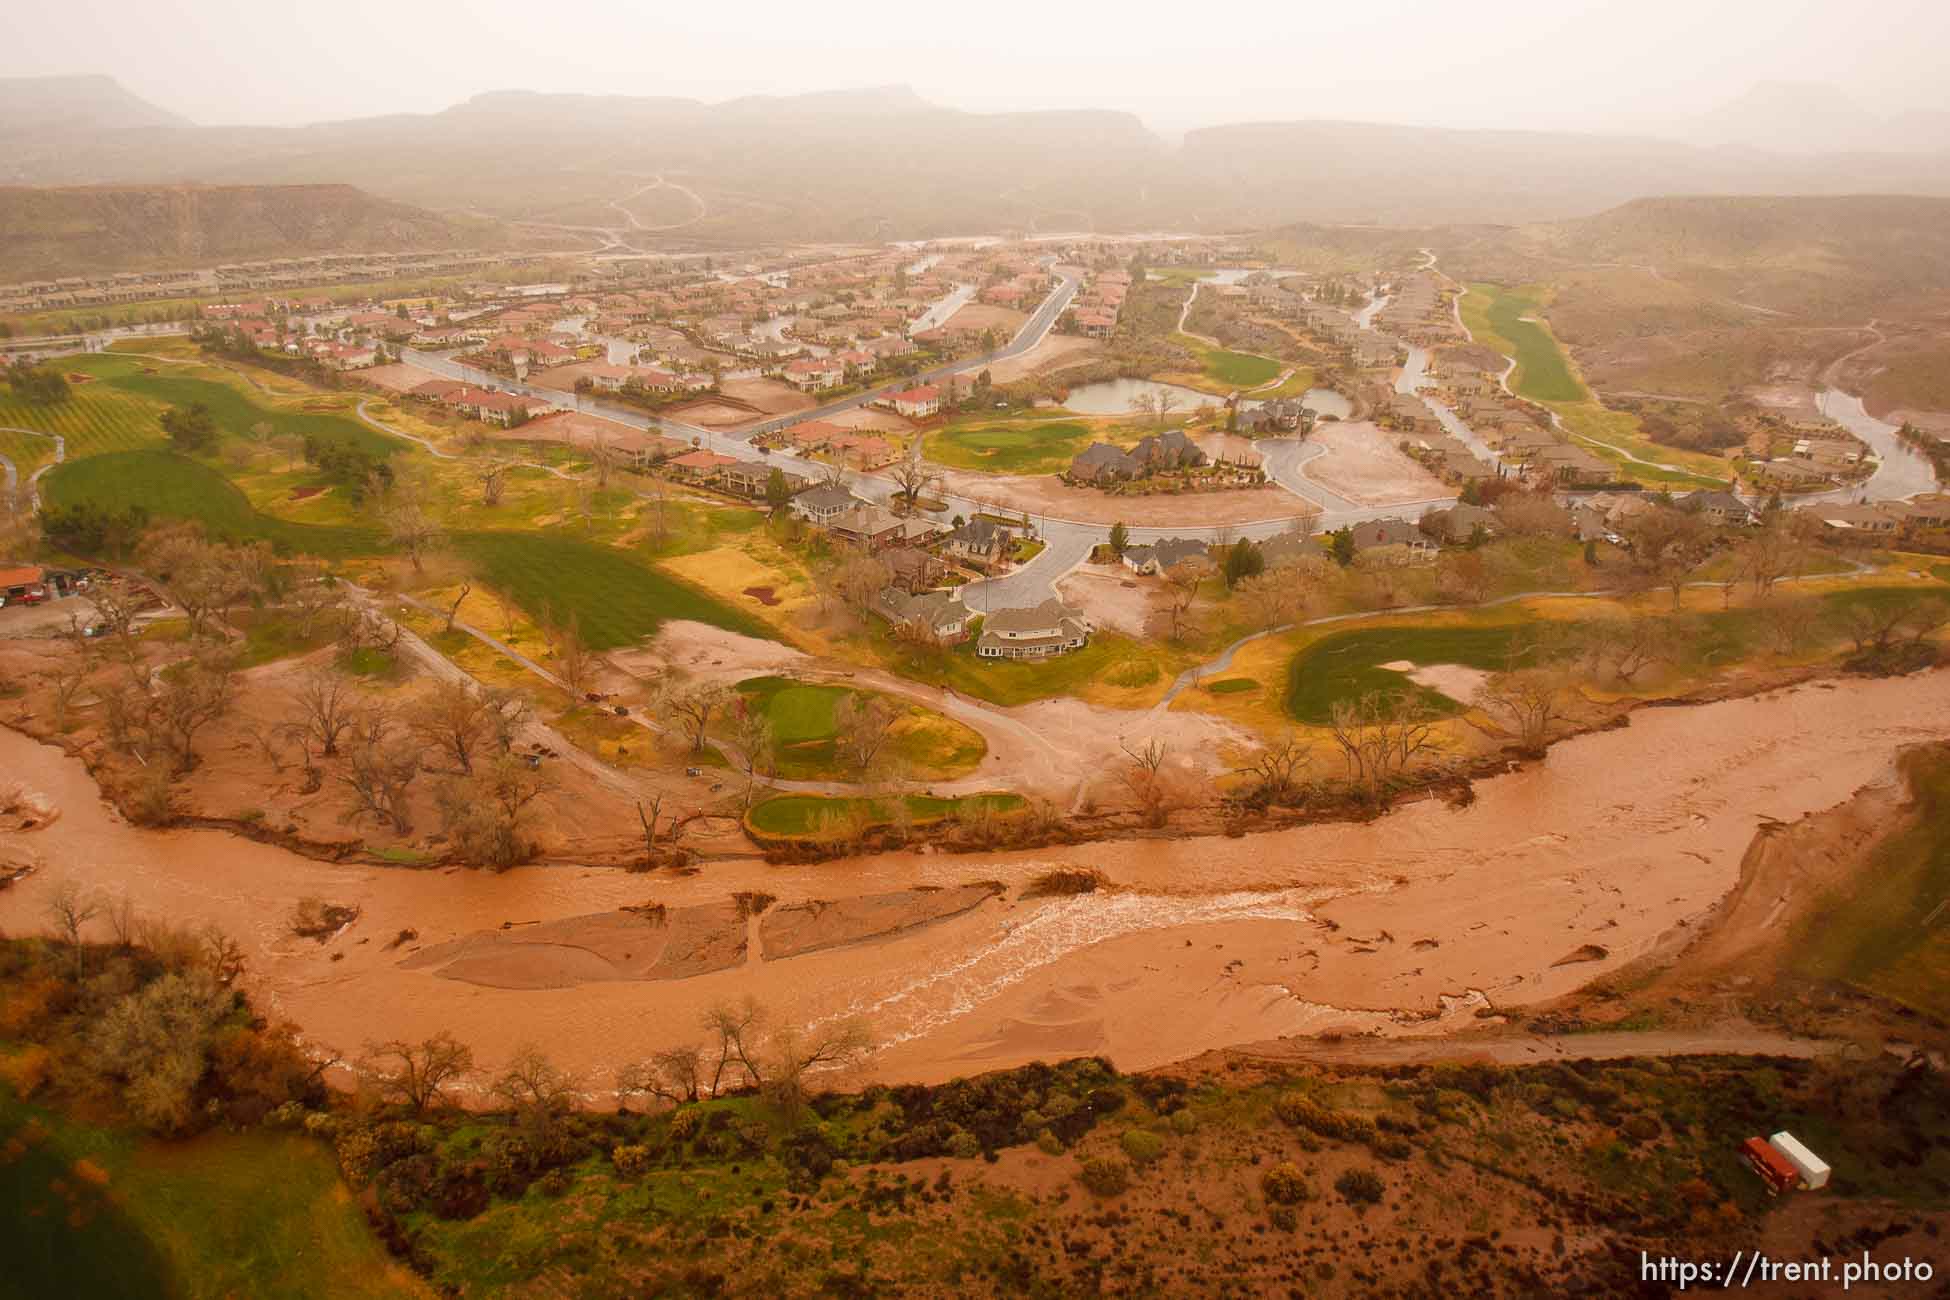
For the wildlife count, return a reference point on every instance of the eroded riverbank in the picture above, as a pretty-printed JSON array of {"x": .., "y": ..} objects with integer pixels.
[{"x": 1613, "y": 840}]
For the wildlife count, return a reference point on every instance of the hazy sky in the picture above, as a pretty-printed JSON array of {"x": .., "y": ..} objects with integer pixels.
[{"x": 1561, "y": 63}]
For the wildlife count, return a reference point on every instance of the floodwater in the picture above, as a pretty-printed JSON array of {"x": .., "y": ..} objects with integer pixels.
[
  {"x": 1404, "y": 925},
  {"x": 1114, "y": 396},
  {"x": 1901, "y": 470}
]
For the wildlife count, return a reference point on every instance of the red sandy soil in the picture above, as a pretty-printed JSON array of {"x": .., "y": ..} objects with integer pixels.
[
  {"x": 1005, "y": 321},
  {"x": 714, "y": 415},
  {"x": 763, "y": 595},
  {"x": 1111, "y": 596},
  {"x": 1045, "y": 494},
  {"x": 1056, "y": 352},
  {"x": 1790, "y": 401},
  {"x": 1363, "y": 464},
  {"x": 874, "y": 419},
  {"x": 1618, "y": 839},
  {"x": 399, "y": 378},
  {"x": 768, "y": 395}
]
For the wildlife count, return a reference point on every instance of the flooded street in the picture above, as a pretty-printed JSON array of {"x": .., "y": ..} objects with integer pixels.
[{"x": 1200, "y": 943}]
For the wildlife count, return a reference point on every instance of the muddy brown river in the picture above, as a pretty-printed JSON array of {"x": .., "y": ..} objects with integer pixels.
[{"x": 1406, "y": 925}]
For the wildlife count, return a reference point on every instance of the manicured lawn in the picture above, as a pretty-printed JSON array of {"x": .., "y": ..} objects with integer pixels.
[
  {"x": 1109, "y": 660},
  {"x": 617, "y": 600},
  {"x": 807, "y": 815},
  {"x": 234, "y": 412},
  {"x": 927, "y": 745},
  {"x": 1232, "y": 685},
  {"x": 1495, "y": 314},
  {"x": 1240, "y": 369},
  {"x": 1010, "y": 446},
  {"x": 221, "y": 1215}
]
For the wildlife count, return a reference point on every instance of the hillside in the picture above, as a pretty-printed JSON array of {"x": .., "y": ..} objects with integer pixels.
[
  {"x": 39, "y": 105},
  {"x": 64, "y": 231},
  {"x": 882, "y": 161}
]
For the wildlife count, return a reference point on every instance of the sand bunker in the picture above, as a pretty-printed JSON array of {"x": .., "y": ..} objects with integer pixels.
[
  {"x": 797, "y": 928},
  {"x": 1461, "y": 684},
  {"x": 667, "y": 944}
]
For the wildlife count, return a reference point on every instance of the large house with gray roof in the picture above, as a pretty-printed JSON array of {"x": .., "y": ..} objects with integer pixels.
[{"x": 1039, "y": 632}]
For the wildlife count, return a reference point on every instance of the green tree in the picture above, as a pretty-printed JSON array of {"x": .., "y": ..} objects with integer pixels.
[
  {"x": 777, "y": 490},
  {"x": 1342, "y": 545},
  {"x": 191, "y": 428},
  {"x": 1243, "y": 560},
  {"x": 1120, "y": 539}
]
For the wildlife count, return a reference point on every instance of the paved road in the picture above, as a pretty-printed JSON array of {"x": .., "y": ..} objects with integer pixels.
[{"x": 34, "y": 479}]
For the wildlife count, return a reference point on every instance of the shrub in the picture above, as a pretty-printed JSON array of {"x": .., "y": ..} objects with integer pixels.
[
  {"x": 683, "y": 1123},
  {"x": 964, "y": 1146},
  {"x": 554, "y": 1183},
  {"x": 1360, "y": 1187},
  {"x": 1105, "y": 1175},
  {"x": 1642, "y": 1128},
  {"x": 1306, "y": 1113},
  {"x": 1142, "y": 1146},
  {"x": 26, "y": 1070},
  {"x": 1049, "y": 1144},
  {"x": 1184, "y": 1123},
  {"x": 1284, "y": 1184},
  {"x": 631, "y": 1161},
  {"x": 1283, "y": 1217}
]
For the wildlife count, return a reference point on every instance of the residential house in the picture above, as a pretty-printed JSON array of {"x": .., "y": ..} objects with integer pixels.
[
  {"x": 1722, "y": 509},
  {"x": 1096, "y": 324},
  {"x": 914, "y": 570},
  {"x": 1102, "y": 463},
  {"x": 1459, "y": 523},
  {"x": 1290, "y": 546},
  {"x": 810, "y": 373},
  {"x": 1158, "y": 556},
  {"x": 982, "y": 540},
  {"x": 1168, "y": 450},
  {"x": 752, "y": 478},
  {"x": 699, "y": 466},
  {"x": 824, "y": 503},
  {"x": 937, "y": 617},
  {"x": 1281, "y": 415},
  {"x": 916, "y": 403},
  {"x": 1051, "y": 628},
  {"x": 1373, "y": 533},
  {"x": 1844, "y": 518},
  {"x": 872, "y": 527}
]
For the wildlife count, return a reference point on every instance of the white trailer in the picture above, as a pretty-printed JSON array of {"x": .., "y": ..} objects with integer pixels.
[{"x": 1814, "y": 1170}]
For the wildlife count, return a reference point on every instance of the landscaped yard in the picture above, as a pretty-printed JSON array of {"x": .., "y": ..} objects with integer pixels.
[
  {"x": 1010, "y": 446},
  {"x": 1113, "y": 670},
  {"x": 924, "y": 744}
]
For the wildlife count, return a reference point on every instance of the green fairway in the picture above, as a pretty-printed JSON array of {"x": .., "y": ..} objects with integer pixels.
[
  {"x": 925, "y": 744},
  {"x": 1232, "y": 685},
  {"x": 221, "y": 1215},
  {"x": 1496, "y": 316},
  {"x": 1010, "y": 446},
  {"x": 1240, "y": 369},
  {"x": 234, "y": 412},
  {"x": 617, "y": 600},
  {"x": 808, "y": 815},
  {"x": 1347, "y": 665}
]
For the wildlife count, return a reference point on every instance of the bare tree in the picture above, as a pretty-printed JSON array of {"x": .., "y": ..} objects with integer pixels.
[
  {"x": 753, "y": 735},
  {"x": 484, "y": 814},
  {"x": 792, "y": 1056},
  {"x": 675, "y": 1074},
  {"x": 203, "y": 577},
  {"x": 414, "y": 1075},
  {"x": 406, "y": 512},
  {"x": 114, "y": 608},
  {"x": 1167, "y": 403},
  {"x": 380, "y": 769},
  {"x": 1143, "y": 776},
  {"x": 453, "y": 719},
  {"x": 1875, "y": 626},
  {"x": 1378, "y": 736},
  {"x": 734, "y": 1028},
  {"x": 190, "y": 697},
  {"x": 1668, "y": 544},
  {"x": 491, "y": 472},
  {"x": 693, "y": 707},
  {"x": 1627, "y": 646},
  {"x": 70, "y": 909},
  {"x": 860, "y": 581},
  {"x": 602, "y": 459},
  {"x": 1182, "y": 583},
  {"x": 1282, "y": 593},
  {"x": 1789, "y": 623},
  {"x": 1276, "y": 768},
  {"x": 575, "y": 663},
  {"x": 312, "y": 598},
  {"x": 1144, "y": 404},
  {"x": 913, "y": 477},
  {"x": 649, "y": 821},
  {"x": 864, "y": 724},
  {"x": 1529, "y": 701},
  {"x": 537, "y": 1092},
  {"x": 327, "y": 708}
]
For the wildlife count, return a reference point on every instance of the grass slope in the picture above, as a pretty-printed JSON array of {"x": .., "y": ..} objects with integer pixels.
[
  {"x": 808, "y": 815},
  {"x": 926, "y": 744},
  {"x": 1497, "y": 315},
  {"x": 222, "y": 1215},
  {"x": 616, "y": 599}
]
